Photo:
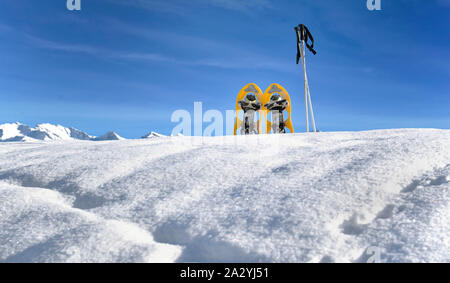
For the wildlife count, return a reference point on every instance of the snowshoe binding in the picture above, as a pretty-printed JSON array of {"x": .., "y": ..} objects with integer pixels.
[
  {"x": 250, "y": 105},
  {"x": 276, "y": 106}
]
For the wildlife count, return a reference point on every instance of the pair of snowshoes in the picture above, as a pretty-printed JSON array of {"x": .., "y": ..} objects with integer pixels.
[{"x": 257, "y": 106}]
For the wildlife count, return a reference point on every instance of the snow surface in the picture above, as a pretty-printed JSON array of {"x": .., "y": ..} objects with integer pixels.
[{"x": 273, "y": 198}]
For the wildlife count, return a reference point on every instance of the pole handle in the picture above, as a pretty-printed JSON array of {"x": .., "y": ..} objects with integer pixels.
[{"x": 303, "y": 34}]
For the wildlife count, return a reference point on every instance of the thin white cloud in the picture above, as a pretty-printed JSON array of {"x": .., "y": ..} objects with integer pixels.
[
  {"x": 245, "y": 59},
  {"x": 161, "y": 35},
  {"x": 444, "y": 2},
  {"x": 239, "y": 5},
  {"x": 253, "y": 62},
  {"x": 232, "y": 55},
  {"x": 154, "y": 5},
  {"x": 52, "y": 45},
  {"x": 237, "y": 56},
  {"x": 180, "y": 7},
  {"x": 95, "y": 51},
  {"x": 5, "y": 28},
  {"x": 238, "y": 59},
  {"x": 145, "y": 57}
]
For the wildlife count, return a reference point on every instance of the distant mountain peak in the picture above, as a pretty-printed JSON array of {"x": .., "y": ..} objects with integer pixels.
[
  {"x": 177, "y": 135},
  {"x": 152, "y": 135},
  {"x": 17, "y": 132},
  {"x": 109, "y": 136}
]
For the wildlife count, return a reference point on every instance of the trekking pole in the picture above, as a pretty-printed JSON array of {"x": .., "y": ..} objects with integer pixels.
[{"x": 303, "y": 35}]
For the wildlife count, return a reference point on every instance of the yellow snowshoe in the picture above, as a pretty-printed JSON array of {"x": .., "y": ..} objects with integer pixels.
[
  {"x": 276, "y": 100},
  {"x": 249, "y": 100}
]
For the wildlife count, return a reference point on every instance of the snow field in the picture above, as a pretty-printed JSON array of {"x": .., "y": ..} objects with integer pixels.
[{"x": 277, "y": 198}]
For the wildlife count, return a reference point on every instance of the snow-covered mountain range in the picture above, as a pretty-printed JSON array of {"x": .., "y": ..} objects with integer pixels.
[
  {"x": 45, "y": 132},
  {"x": 16, "y": 132}
]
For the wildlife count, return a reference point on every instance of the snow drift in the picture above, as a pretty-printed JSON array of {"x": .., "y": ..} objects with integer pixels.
[{"x": 274, "y": 198}]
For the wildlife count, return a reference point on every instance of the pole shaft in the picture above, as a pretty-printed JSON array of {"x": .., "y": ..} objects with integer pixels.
[
  {"x": 312, "y": 112},
  {"x": 307, "y": 92},
  {"x": 310, "y": 102},
  {"x": 302, "y": 54}
]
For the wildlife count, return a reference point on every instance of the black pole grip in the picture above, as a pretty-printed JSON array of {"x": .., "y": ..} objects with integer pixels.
[{"x": 303, "y": 34}]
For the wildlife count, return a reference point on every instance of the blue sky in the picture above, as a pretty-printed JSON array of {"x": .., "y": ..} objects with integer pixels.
[{"x": 127, "y": 65}]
